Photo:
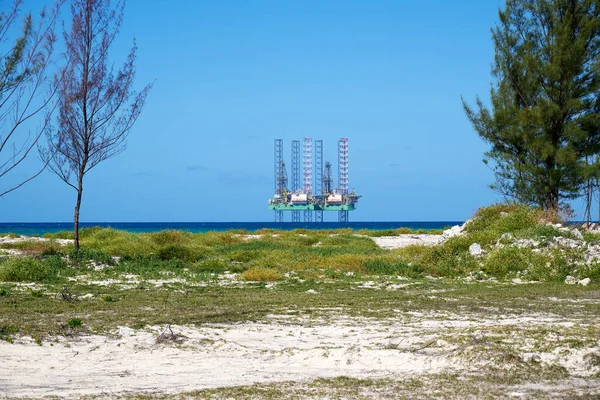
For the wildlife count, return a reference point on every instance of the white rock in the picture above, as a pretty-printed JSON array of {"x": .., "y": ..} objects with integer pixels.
[
  {"x": 536, "y": 358},
  {"x": 577, "y": 234},
  {"x": 570, "y": 280},
  {"x": 310, "y": 291},
  {"x": 585, "y": 282},
  {"x": 87, "y": 296},
  {"x": 507, "y": 236},
  {"x": 517, "y": 281},
  {"x": 125, "y": 331},
  {"x": 475, "y": 250},
  {"x": 454, "y": 231}
]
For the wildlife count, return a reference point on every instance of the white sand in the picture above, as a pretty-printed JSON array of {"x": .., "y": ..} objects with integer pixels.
[
  {"x": 8, "y": 239},
  {"x": 396, "y": 242},
  {"x": 219, "y": 355},
  {"x": 239, "y": 354}
]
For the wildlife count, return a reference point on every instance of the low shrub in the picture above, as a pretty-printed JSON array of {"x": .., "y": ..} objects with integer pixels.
[
  {"x": 501, "y": 218},
  {"x": 261, "y": 274},
  {"x": 148, "y": 266},
  {"x": 56, "y": 263},
  {"x": 74, "y": 322},
  {"x": 175, "y": 252},
  {"x": 6, "y": 331},
  {"x": 509, "y": 260},
  {"x": 10, "y": 235},
  {"x": 85, "y": 254},
  {"x": 216, "y": 265},
  {"x": 59, "y": 235},
  {"x": 19, "y": 269},
  {"x": 553, "y": 267},
  {"x": 345, "y": 262},
  {"x": 385, "y": 266},
  {"x": 245, "y": 256},
  {"x": 171, "y": 237},
  {"x": 35, "y": 247}
]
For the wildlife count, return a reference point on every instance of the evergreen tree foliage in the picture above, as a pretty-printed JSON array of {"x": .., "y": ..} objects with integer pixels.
[{"x": 543, "y": 121}]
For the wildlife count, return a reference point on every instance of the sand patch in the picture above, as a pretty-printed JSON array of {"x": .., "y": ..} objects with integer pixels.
[
  {"x": 396, "y": 242},
  {"x": 218, "y": 355}
]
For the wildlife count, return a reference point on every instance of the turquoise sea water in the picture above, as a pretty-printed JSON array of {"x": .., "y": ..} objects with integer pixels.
[{"x": 40, "y": 228}]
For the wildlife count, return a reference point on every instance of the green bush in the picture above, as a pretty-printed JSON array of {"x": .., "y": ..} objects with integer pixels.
[
  {"x": 170, "y": 237},
  {"x": 59, "y": 235},
  {"x": 554, "y": 267},
  {"x": 383, "y": 266},
  {"x": 506, "y": 260},
  {"x": 148, "y": 266},
  {"x": 215, "y": 265},
  {"x": 245, "y": 256},
  {"x": 175, "y": 252},
  {"x": 74, "y": 322},
  {"x": 6, "y": 331},
  {"x": 19, "y": 269},
  {"x": 85, "y": 254}
]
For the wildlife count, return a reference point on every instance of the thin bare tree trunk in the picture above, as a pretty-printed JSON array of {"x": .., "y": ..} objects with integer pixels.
[
  {"x": 97, "y": 104},
  {"x": 76, "y": 217}
]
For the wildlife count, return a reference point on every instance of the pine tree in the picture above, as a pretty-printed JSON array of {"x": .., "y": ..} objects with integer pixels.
[{"x": 543, "y": 120}]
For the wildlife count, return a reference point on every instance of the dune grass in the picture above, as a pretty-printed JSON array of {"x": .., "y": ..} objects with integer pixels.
[{"x": 184, "y": 253}]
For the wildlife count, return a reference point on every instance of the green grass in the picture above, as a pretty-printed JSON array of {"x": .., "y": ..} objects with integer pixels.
[
  {"x": 49, "y": 269},
  {"x": 147, "y": 254},
  {"x": 187, "y": 303}
]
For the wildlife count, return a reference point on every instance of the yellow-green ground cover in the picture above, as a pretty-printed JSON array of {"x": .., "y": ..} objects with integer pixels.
[{"x": 51, "y": 295}]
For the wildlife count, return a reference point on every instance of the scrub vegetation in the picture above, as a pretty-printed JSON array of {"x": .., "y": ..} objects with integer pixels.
[
  {"x": 266, "y": 254},
  {"x": 469, "y": 306}
]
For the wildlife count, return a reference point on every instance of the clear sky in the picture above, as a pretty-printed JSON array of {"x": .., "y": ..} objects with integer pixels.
[{"x": 233, "y": 75}]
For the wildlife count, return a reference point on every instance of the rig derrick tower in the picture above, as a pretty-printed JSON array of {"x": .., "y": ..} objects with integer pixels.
[
  {"x": 278, "y": 156},
  {"x": 343, "y": 175},
  {"x": 327, "y": 183},
  {"x": 295, "y": 175},
  {"x": 307, "y": 164},
  {"x": 319, "y": 178}
]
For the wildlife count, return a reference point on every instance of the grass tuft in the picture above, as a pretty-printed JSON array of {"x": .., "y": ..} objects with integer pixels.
[{"x": 261, "y": 274}]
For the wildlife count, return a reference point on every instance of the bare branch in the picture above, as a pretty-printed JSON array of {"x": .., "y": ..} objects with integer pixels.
[{"x": 97, "y": 105}]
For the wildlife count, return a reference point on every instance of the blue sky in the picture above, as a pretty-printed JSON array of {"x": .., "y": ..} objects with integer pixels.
[{"x": 231, "y": 76}]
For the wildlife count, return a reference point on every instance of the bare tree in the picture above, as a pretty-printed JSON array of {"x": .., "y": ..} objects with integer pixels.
[
  {"x": 26, "y": 88},
  {"x": 97, "y": 106}
]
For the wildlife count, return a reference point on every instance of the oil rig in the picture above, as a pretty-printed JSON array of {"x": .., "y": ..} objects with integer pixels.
[{"x": 302, "y": 196}]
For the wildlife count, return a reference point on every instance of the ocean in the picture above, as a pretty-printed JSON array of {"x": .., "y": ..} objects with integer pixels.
[{"x": 39, "y": 228}]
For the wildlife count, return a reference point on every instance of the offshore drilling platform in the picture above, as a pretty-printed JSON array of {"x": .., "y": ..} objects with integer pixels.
[{"x": 302, "y": 197}]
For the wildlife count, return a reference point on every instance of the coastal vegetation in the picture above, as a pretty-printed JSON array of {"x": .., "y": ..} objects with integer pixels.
[
  {"x": 267, "y": 254},
  {"x": 505, "y": 317}
]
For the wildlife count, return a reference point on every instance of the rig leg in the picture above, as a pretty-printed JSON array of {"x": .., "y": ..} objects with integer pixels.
[
  {"x": 307, "y": 215},
  {"x": 295, "y": 215},
  {"x": 278, "y": 216},
  {"x": 319, "y": 216},
  {"x": 343, "y": 216}
]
